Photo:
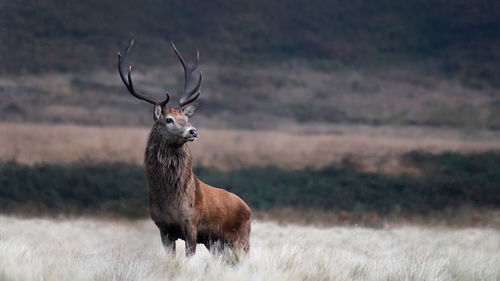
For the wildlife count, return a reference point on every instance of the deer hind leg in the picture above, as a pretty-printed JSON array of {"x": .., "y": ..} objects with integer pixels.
[
  {"x": 215, "y": 246},
  {"x": 242, "y": 241},
  {"x": 246, "y": 236}
]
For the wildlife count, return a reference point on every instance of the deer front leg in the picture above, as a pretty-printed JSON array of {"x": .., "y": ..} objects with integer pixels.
[
  {"x": 167, "y": 239},
  {"x": 190, "y": 235},
  {"x": 168, "y": 243}
]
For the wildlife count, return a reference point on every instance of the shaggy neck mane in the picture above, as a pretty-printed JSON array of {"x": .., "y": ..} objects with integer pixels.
[{"x": 168, "y": 165}]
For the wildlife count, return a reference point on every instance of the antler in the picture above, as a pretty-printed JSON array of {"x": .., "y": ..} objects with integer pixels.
[
  {"x": 188, "y": 96},
  {"x": 128, "y": 82}
]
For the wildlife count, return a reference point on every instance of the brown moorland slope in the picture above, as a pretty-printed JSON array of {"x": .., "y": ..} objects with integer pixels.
[{"x": 372, "y": 149}]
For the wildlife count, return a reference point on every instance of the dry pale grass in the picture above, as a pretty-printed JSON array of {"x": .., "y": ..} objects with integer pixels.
[
  {"x": 374, "y": 149},
  {"x": 86, "y": 249}
]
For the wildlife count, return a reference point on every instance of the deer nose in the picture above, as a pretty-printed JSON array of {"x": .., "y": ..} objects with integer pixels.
[{"x": 193, "y": 132}]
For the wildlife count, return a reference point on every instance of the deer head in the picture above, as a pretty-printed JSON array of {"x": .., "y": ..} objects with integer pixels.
[{"x": 172, "y": 121}]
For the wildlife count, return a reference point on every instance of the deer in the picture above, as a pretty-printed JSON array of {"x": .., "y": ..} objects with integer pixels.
[{"x": 180, "y": 204}]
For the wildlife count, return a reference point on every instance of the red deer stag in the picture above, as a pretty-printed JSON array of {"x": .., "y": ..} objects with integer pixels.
[{"x": 182, "y": 206}]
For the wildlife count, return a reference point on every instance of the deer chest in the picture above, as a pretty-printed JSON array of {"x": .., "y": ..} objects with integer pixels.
[{"x": 170, "y": 211}]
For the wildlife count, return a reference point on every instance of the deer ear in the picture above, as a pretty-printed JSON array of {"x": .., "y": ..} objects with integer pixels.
[
  {"x": 157, "y": 112},
  {"x": 190, "y": 109}
]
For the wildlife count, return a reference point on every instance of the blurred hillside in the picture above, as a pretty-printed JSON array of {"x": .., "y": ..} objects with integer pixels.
[
  {"x": 279, "y": 96},
  {"x": 358, "y": 103},
  {"x": 428, "y": 63},
  {"x": 463, "y": 35}
]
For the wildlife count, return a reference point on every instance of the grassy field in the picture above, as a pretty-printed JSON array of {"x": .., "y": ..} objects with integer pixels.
[
  {"x": 85, "y": 249},
  {"x": 375, "y": 149},
  {"x": 381, "y": 114}
]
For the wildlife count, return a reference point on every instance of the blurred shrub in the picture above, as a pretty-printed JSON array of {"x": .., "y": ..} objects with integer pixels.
[
  {"x": 103, "y": 188},
  {"x": 446, "y": 181}
]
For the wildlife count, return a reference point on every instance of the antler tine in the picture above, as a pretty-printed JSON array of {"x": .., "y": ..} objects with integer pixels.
[
  {"x": 127, "y": 80},
  {"x": 191, "y": 95},
  {"x": 122, "y": 76},
  {"x": 188, "y": 96},
  {"x": 165, "y": 101},
  {"x": 190, "y": 99}
]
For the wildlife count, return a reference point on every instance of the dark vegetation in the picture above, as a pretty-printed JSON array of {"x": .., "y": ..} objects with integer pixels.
[
  {"x": 447, "y": 181},
  {"x": 462, "y": 37}
]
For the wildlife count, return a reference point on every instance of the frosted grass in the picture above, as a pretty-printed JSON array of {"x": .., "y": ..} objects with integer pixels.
[{"x": 87, "y": 249}]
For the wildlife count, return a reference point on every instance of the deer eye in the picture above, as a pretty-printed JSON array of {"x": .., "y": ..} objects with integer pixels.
[{"x": 169, "y": 120}]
